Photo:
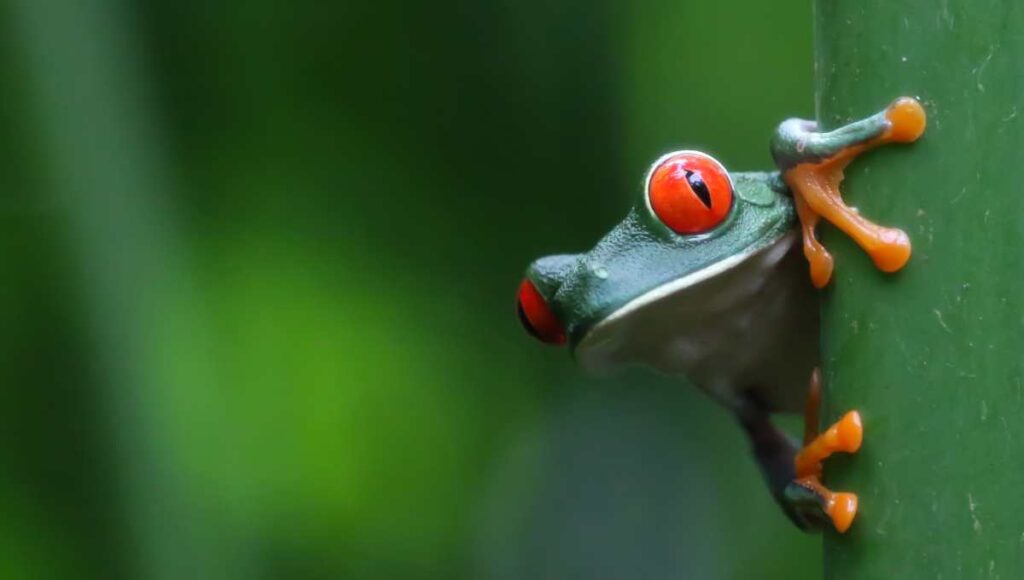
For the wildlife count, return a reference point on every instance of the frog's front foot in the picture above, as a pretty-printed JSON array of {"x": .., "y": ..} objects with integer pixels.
[
  {"x": 812, "y": 165},
  {"x": 811, "y": 503}
]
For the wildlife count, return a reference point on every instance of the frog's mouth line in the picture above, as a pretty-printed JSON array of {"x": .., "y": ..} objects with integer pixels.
[{"x": 775, "y": 251}]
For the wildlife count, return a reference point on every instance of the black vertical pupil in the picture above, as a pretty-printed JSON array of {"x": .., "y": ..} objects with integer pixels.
[{"x": 699, "y": 187}]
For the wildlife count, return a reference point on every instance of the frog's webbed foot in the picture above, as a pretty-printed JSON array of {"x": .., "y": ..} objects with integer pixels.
[
  {"x": 812, "y": 165},
  {"x": 795, "y": 478},
  {"x": 813, "y": 503}
]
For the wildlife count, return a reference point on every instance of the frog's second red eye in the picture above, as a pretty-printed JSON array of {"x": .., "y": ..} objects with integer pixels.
[
  {"x": 536, "y": 315},
  {"x": 690, "y": 192}
]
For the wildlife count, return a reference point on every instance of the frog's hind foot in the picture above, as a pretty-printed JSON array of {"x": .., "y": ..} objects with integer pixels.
[
  {"x": 809, "y": 499},
  {"x": 815, "y": 507},
  {"x": 812, "y": 164},
  {"x": 795, "y": 478},
  {"x": 840, "y": 507}
]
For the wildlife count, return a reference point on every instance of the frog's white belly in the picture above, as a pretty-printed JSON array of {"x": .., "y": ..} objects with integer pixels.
[{"x": 747, "y": 324}]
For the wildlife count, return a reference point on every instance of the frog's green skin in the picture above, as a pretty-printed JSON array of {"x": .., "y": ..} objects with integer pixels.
[
  {"x": 727, "y": 309},
  {"x": 732, "y": 309}
]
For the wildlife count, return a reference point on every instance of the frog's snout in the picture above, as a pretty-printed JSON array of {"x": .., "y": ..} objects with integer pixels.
[{"x": 533, "y": 304}]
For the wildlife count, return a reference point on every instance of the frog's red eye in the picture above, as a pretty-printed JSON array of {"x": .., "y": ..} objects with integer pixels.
[
  {"x": 690, "y": 192},
  {"x": 536, "y": 315}
]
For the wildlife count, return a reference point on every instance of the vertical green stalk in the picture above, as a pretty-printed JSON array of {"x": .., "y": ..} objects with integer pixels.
[{"x": 933, "y": 356}]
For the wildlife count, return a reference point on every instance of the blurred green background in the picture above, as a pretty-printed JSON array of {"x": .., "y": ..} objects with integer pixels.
[{"x": 260, "y": 264}]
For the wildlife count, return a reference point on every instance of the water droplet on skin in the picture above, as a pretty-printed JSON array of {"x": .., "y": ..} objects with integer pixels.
[{"x": 600, "y": 272}]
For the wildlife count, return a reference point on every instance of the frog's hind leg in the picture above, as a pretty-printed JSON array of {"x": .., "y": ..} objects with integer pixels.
[
  {"x": 812, "y": 164},
  {"x": 845, "y": 436},
  {"x": 775, "y": 454},
  {"x": 797, "y": 489},
  {"x": 795, "y": 477}
]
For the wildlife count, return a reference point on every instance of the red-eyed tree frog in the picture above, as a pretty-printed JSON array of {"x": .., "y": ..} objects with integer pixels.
[{"x": 704, "y": 279}]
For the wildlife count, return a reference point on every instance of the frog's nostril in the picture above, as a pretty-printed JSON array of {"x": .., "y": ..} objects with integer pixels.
[{"x": 536, "y": 315}]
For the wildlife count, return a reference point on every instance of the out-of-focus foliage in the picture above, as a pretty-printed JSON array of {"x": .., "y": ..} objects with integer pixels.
[{"x": 259, "y": 266}]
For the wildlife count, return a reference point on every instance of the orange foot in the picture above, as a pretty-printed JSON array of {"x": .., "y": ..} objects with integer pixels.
[
  {"x": 846, "y": 436},
  {"x": 815, "y": 185}
]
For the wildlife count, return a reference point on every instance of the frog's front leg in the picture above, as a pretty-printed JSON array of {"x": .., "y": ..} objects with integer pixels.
[
  {"x": 795, "y": 477},
  {"x": 812, "y": 165}
]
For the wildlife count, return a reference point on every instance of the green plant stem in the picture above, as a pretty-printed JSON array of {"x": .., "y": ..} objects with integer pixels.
[{"x": 931, "y": 356}]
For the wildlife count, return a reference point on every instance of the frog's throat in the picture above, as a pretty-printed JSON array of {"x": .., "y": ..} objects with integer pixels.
[{"x": 776, "y": 249}]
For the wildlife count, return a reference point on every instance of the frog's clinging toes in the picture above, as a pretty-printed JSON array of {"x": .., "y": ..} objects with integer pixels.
[
  {"x": 703, "y": 279},
  {"x": 812, "y": 166}
]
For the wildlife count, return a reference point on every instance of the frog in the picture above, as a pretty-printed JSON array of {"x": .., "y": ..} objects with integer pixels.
[{"x": 713, "y": 276}]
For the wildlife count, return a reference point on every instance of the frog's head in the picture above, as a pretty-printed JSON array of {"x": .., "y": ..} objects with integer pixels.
[{"x": 693, "y": 224}]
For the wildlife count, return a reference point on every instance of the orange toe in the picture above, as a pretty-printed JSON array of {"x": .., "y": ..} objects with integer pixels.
[
  {"x": 842, "y": 509},
  {"x": 850, "y": 432},
  {"x": 908, "y": 120},
  {"x": 893, "y": 250},
  {"x": 821, "y": 269}
]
